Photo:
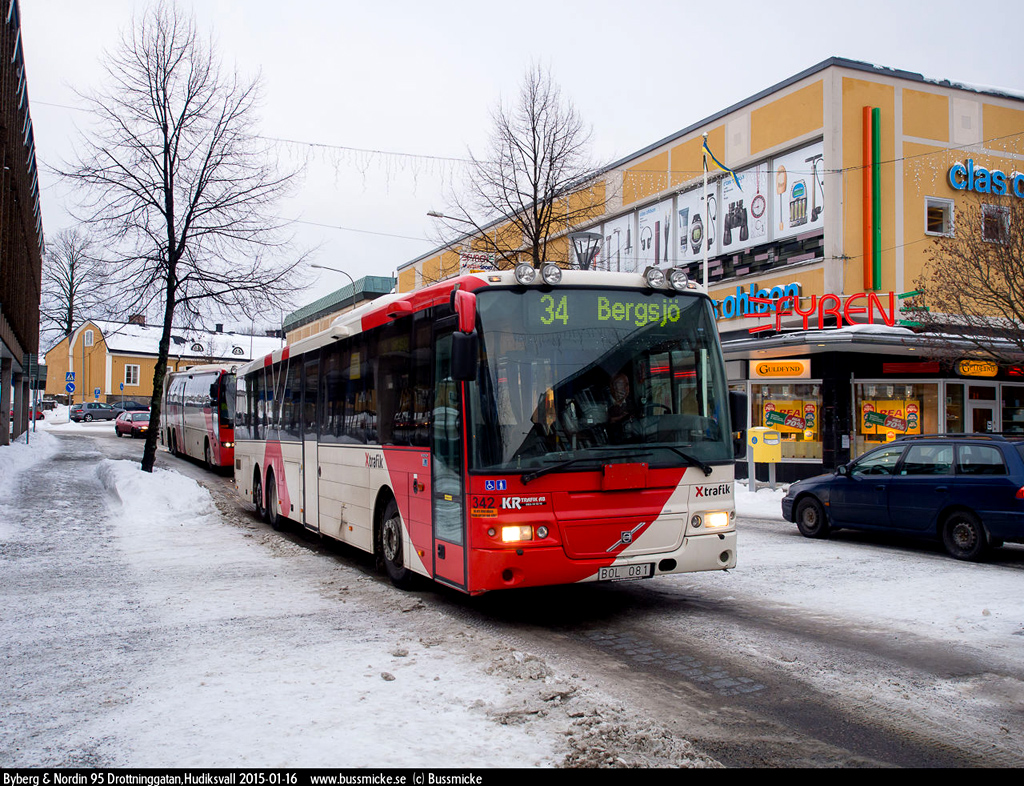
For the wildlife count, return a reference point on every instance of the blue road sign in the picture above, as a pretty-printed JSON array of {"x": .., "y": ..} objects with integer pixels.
[
  {"x": 69, "y": 376},
  {"x": 70, "y": 387}
]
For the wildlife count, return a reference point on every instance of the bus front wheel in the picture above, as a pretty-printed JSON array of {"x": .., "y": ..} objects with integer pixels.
[{"x": 391, "y": 547}]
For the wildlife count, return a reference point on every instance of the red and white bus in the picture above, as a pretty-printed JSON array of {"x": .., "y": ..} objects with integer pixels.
[
  {"x": 502, "y": 430},
  {"x": 198, "y": 414}
]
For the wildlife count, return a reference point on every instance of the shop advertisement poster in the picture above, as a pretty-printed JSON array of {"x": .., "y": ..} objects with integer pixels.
[
  {"x": 745, "y": 209},
  {"x": 691, "y": 226},
  {"x": 654, "y": 231},
  {"x": 798, "y": 195},
  {"x": 890, "y": 416},
  {"x": 791, "y": 416},
  {"x": 617, "y": 252}
]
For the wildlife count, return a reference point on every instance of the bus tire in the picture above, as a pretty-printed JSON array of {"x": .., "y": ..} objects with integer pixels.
[
  {"x": 257, "y": 495},
  {"x": 274, "y": 517},
  {"x": 206, "y": 456},
  {"x": 391, "y": 550}
]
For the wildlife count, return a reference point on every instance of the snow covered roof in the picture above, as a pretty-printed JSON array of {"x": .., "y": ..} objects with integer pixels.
[{"x": 132, "y": 339}]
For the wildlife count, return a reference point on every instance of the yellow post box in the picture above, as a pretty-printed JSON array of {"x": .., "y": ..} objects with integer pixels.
[{"x": 765, "y": 445}]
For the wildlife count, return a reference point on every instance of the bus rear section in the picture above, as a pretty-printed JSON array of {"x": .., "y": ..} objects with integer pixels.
[
  {"x": 198, "y": 415},
  {"x": 504, "y": 435}
]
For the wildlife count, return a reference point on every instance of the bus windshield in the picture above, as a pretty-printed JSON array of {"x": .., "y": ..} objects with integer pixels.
[{"x": 570, "y": 376}]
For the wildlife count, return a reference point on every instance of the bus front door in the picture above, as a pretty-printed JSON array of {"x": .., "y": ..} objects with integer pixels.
[
  {"x": 310, "y": 458},
  {"x": 447, "y": 470}
]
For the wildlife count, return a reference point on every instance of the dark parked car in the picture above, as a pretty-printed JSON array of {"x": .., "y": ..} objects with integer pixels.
[
  {"x": 966, "y": 489},
  {"x": 93, "y": 410},
  {"x": 132, "y": 424},
  {"x": 131, "y": 406}
]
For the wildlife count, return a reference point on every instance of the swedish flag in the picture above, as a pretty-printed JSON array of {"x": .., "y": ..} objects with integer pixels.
[{"x": 719, "y": 164}]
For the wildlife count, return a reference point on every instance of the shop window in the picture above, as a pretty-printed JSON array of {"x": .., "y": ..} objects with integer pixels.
[
  {"x": 995, "y": 224},
  {"x": 938, "y": 216},
  {"x": 887, "y": 410},
  {"x": 1013, "y": 409},
  {"x": 794, "y": 410}
]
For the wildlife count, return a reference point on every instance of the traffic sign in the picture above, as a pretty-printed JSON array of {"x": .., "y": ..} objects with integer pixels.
[
  {"x": 96, "y": 392},
  {"x": 70, "y": 387},
  {"x": 69, "y": 376}
]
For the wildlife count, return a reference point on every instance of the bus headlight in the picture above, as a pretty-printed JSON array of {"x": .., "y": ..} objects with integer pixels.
[
  {"x": 551, "y": 274},
  {"x": 516, "y": 534},
  {"x": 525, "y": 273},
  {"x": 716, "y": 519},
  {"x": 710, "y": 519}
]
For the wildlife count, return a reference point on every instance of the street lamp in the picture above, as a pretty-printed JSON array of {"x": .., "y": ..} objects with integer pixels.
[
  {"x": 586, "y": 245},
  {"x": 436, "y": 214},
  {"x": 337, "y": 270}
]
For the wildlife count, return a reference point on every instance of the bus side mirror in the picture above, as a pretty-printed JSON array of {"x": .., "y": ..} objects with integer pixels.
[
  {"x": 738, "y": 417},
  {"x": 213, "y": 392},
  {"x": 464, "y": 356}
]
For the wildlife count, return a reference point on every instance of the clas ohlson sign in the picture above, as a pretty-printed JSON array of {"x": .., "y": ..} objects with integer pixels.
[{"x": 968, "y": 177}]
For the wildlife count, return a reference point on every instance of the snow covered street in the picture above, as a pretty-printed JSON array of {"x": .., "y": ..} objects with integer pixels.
[
  {"x": 141, "y": 631},
  {"x": 147, "y": 625}
]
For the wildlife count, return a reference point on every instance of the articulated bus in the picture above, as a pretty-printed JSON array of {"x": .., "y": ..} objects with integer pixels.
[
  {"x": 198, "y": 414},
  {"x": 502, "y": 430}
]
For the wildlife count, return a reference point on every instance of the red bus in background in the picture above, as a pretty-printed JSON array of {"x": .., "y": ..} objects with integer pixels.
[
  {"x": 198, "y": 415},
  {"x": 506, "y": 429}
]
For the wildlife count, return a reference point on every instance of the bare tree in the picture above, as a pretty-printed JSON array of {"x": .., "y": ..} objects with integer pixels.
[
  {"x": 537, "y": 181},
  {"x": 973, "y": 284},
  {"x": 175, "y": 176},
  {"x": 74, "y": 283}
]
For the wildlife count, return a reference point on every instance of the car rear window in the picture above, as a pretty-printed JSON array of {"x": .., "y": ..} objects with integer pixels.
[{"x": 980, "y": 460}]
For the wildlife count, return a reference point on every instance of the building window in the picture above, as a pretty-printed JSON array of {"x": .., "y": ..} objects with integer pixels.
[
  {"x": 794, "y": 410},
  {"x": 237, "y": 351},
  {"x": 995, "y": 224},
  {"x": 197, "y": 347},
  {"x": 938, "y": 216},
  {"x": 131, "y": 375},
  {"x": 88, "y": 338},
  {"x": 887, "y": 410}
]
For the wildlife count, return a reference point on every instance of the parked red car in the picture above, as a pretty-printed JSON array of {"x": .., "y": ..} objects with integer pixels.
[{"x": 132, "y": 424}]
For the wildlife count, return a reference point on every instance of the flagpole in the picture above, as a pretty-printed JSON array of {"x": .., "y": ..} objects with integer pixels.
[{"x": 707, "y": 214}]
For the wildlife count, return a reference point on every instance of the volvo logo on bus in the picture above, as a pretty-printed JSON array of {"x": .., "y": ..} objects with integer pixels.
[{"x": 626, "y": 537}]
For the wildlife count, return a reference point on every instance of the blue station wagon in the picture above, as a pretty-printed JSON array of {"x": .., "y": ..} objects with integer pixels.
[{"x": 966, "y": 489}]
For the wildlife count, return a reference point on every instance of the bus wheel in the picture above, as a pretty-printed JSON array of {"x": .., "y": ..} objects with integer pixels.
[
  {"x": 206, "y": 456},
  {"x": 273, "y": 515},
  {"x": 257, "y": 495},
  {"x": 391, "y": 547}
]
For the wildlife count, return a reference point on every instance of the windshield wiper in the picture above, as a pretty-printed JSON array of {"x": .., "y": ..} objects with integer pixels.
[
  {"x": 693, "y": 461},
  {"x": 528, "y": 476}
]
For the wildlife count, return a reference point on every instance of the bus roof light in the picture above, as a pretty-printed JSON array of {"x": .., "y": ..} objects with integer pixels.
[
  {"x": 551, "y": 274},
  {"x": 525, "y": 273},
  {"x": 655, "y": 277}
]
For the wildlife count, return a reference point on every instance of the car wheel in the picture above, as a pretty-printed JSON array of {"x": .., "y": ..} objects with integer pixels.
[
  {"x": 391, "y": 547},
  {"x": 117, "y": 432},
  {"x": 87, "y": 418},
  {"x": 964, "y": 537},
  {"x": 274, "y": 517},
  {"x": 257, "y": 495},
  {"x": 811, "y": 519}
]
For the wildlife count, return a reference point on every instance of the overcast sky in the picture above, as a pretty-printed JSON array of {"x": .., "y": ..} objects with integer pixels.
[{"x": 416, "y": 81}]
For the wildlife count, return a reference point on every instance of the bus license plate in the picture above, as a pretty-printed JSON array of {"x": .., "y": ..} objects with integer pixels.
[{"x": 625, "y": 572}]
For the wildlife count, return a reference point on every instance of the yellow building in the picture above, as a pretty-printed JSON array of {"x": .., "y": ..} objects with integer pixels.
[
  {"x": 845, "y": 175},
  {"x": 114, "y": 362}
]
